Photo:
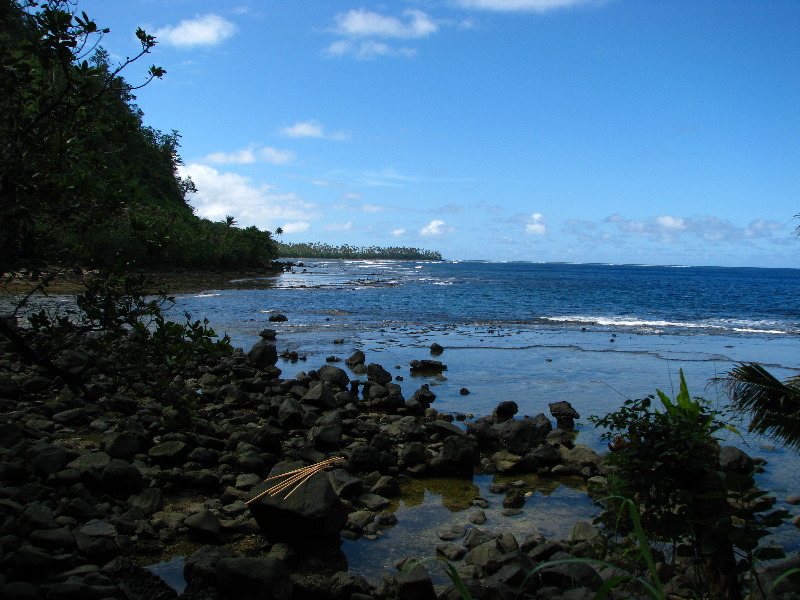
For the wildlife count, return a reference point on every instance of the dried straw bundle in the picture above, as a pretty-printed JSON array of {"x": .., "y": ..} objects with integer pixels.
[{"x": 296, "y": 478}]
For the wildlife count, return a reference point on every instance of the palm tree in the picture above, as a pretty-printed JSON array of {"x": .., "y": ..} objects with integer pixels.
[{"x": 774, "y": 406}]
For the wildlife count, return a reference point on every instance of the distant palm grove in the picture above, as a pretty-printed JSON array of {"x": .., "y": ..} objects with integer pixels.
[{"x": 320, "y": 250}]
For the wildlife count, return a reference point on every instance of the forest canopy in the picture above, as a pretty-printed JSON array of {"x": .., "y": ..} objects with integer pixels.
[
  {"x": 83, "y": 181},
  {"x": 320, "y": 250}
]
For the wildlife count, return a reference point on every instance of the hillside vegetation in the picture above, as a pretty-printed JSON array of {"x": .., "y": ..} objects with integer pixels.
[{"x": 83, "y": 180}]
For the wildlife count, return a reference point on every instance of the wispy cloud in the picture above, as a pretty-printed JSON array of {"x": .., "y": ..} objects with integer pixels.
[
  {"x": 220, "y": 194},
  {"x": 670, "y": 229},
  {"x": 398, "y": 232},
  {"x": 251, "y": 155},
  {"x": 313, "y": 129},
  {"x": 367, "y": 50},
  {"x": 364, "y": 33},
  {"x": 540, "y": 6},
  {"x": 204, "y": 30},
  {"x": 339, "y": 226}
]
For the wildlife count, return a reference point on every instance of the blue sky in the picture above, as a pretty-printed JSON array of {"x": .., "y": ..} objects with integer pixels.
[{"x": 621, "y": 131}]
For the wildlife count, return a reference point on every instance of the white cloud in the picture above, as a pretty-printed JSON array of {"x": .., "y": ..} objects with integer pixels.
[
  {"x": 367, "y": 50},
  {"x": 536, "y": 225},
  {"x": 220, "y": 194},
  {"x": 205, "y": 30},
  {"x": 434, "y": 228},
  {"x": 339, "y": 226},
  {"x": 313, "y": 129},
  {"x": 364, "y": 23},
  {"x": 251, "y": 155},
  {"x": 364, "y": 32},
  {"x": 398, "y": 232},
  {"x": 539, "y": 6},
  {"x": 297, "y": 227}
]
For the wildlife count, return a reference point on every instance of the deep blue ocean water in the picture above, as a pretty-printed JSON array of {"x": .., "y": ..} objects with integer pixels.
[{"x": 533, "y": 333}]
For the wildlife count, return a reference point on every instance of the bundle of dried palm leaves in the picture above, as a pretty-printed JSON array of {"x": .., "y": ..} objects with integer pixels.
[{"x": 295, "y": 479}]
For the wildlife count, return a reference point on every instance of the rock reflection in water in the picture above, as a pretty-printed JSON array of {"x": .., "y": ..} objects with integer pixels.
[{"x": 427, "y": 505}]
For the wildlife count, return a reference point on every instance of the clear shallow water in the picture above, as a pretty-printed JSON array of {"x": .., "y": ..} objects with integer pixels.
[{"x": 532, "y": 333}]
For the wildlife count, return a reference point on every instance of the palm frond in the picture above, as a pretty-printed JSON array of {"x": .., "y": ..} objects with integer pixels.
[{"x": 774, "y": 406}]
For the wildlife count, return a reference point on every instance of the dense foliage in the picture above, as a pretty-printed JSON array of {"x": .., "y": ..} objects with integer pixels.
[
  {"x": 82, "y": 180},
  {"x": 667, "y": 462},
  {"x": 320, "y": 250}
]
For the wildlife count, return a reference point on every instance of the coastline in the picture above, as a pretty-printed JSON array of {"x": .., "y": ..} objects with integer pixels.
[{"x": 179, "y": 281}]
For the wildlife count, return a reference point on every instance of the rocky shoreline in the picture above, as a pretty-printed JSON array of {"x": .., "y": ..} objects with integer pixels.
[{"x": 91, "y": 485}]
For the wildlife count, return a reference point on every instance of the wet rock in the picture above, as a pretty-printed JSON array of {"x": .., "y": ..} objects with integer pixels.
[
  {"x": 505, "y": 411},
  {"x": 451, "y": 551},
  {"x": 378, "y": 374},
  {"x": 487, "y": 557},
  {"x": 427, "y": 366},
  {"x": 458, "y": 458},
  {"x": 263, "y": 354},
  {"x": 278, "y": 318},
  {"x": 436, "y": 349},
  {"x": 344, "y": 585},
  {"x": 451, "y": 532},
  {"x": 734, "y": 459},
  {"x": 580, "y": 457},
  {"x": 415, "y": 584},
  {"x": 564, "y": 414},
  {"x": 566, "y": 576},
  {"x": 357, "y": 358},
  {"x": 521, "y": 435}
]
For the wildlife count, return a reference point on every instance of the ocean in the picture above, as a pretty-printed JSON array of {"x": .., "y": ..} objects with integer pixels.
[{"x": 535, "y": 333}]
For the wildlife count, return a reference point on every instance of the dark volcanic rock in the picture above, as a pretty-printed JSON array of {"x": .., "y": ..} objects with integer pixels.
[
  {"x": 357, "y": 358},
  {"x": 505, "y": 411},
  {"x": 564, "y": 414},
  {"x": 313, "y": 511},
  {"x": 378, "y": 374},
  {"x": 248, "y": 578},
  {"x": 522, "y": 435},
  {"x": 262, "y": 354}
]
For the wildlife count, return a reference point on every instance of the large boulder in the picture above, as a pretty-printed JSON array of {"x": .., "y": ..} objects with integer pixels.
[
  {"x": 378, "y": 374},
  {"x": 262, "y": 354},
  {"x": 357, "y": 358},
  {"x": 334, "y": 375},
  {"x": 524, "y": 434},
  {"x": 250, "y": 578},
  {"x": 505, "y": 411},
  {"x": 312, "y": 511},
  {"x": 459, "y": 456}
]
